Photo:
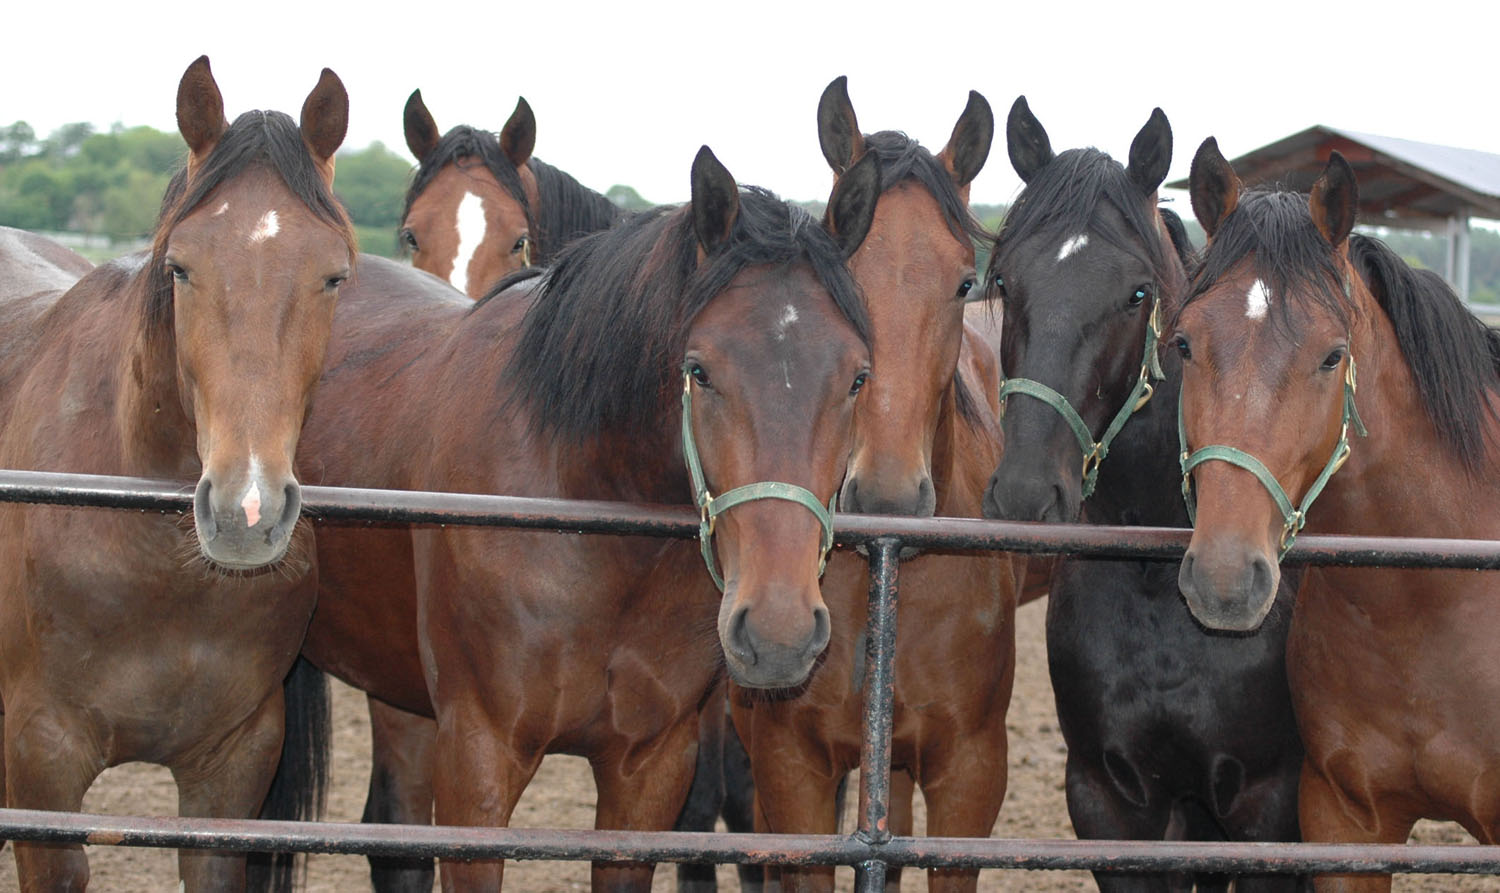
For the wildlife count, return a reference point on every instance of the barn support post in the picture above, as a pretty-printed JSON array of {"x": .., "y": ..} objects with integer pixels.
[
  {"x": 1459, "y": 249},
  {"x": 875, "y": 755}
]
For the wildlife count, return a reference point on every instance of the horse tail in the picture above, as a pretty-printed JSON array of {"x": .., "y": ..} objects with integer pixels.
[{"x": 300, "y": 787}]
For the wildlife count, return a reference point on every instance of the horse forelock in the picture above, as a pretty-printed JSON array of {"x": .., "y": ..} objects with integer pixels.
[
  {"x": 903, "y": 159},
  {"x": 599, "y": 345}
]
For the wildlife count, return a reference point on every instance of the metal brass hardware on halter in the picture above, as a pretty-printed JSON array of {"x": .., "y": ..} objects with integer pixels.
[
  {"x": 710, "y": 506},
  {"x": 1294, "y": 518},
  {"x": 1094, "y": 451}
]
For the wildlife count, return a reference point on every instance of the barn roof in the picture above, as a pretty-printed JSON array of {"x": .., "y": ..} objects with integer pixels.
[{"x": 1402, "y": 183}]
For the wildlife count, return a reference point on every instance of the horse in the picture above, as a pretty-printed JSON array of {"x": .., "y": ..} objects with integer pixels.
[
  {"x": 1381, "y": 663},
  {"x": 1172, "y": 732},
  {"x": 924, "y": 443},
  {"x": 480, "y": 206},
  {"x": 739, "y": 309},
  {"x": 129, "y": 637}
]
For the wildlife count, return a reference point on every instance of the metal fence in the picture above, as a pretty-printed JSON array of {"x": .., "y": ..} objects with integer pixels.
[{"x": 871, "y": 846}]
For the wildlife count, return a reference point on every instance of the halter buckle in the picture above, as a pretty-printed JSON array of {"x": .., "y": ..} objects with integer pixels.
[
  {"x": 1290, "y": 529},
  {"x": 705, "y": 520},
  {"x": 1091, "y": 461},
  {"x": 1147, "y": 391}
]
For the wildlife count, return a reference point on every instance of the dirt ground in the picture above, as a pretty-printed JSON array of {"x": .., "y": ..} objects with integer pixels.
[{"x": 561, "y": 796}]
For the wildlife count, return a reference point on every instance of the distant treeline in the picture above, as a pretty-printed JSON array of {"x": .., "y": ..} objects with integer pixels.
[{"x": 109, "y": 184}]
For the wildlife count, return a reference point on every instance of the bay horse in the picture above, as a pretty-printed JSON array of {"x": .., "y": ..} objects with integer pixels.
[
  {"x": 125, "y": 637},
  {"x": 481, "y": 206},
  {"x": 1389, "y": 669},
  {"x": 925, "y": 442},
  {"x": 1172, "y": 732},
  {"x": 568, "y": 383}
]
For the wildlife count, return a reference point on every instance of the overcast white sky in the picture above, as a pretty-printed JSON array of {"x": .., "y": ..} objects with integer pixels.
[{"x": 626, "y": 92}]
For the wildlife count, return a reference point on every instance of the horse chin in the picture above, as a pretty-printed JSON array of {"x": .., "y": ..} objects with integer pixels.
[
  {"x": 755, "y": 677},
  {"x": 288, "y": 555}
]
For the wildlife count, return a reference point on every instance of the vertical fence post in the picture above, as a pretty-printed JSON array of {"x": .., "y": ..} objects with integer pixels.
[{"x": 875, "y": 756}]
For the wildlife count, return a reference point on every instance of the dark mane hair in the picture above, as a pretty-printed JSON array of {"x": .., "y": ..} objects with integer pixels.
[
  {"x": 1454, "y": 357},
  {"x": 600, "y": 344},
  {"x": 260, "y": 138},
  {"x": 903, "y": 158},
  {"x": 568, "y": 208},
  {"x": 1064, "y": 198}
]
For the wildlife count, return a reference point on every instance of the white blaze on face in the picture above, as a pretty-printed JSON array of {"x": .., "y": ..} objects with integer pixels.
[
  {"x": 1072, "y": 247},
  {"x": 222, "y": 208},
  {"x": 1257, "y": 300},
  {"x": 471, "y": 227},
  {"x": 785, "y": 321},
  {"x": 251, "y": 501},
  {"x": 267, "y": 228}
]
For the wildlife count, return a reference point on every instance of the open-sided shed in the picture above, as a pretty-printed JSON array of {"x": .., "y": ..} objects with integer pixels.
[{"x": 1403, "y": 184}]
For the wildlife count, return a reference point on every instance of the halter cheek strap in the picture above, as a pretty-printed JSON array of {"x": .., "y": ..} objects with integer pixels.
[
  {"x": 1293, "y": 517},
  {"x": 1094, "y": 451},
  {"x": 710, "y": 506}
]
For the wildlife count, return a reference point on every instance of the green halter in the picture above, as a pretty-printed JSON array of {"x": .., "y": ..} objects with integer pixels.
[
  {"x": 1094, "y": 451},
  {"x": 710, "y": 506},
  {"x": 1293, "y": 517}
]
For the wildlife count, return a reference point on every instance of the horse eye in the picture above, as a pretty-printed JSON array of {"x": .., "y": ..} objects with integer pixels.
[
  {"x": 178, "y": 272},
  {"x": 1332, "y": 361},
  {"x": 333, "y": 282},
  {"x": 409, "y": 239},
  {"x": 859, "y": 382},
  {"x": 699, "y": 374},
  {"x": 1181, "y": 343},
  {"x": 1000, "y": 285},
  {"x": 1140, "y": 294},
  {"x": 965, "y": 288},
  {"x": 520, "y": 244}
]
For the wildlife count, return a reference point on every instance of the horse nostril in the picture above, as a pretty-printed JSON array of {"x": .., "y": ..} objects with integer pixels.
[
  {"x": 203, "y": 510},
  {"x": 291, "y": 510},
  {"x": 822, "y": 630},
  {"x": 737, "y": 638}
]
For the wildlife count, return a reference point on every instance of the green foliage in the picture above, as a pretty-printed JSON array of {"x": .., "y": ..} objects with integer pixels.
[{"x": 372, "y": 184}]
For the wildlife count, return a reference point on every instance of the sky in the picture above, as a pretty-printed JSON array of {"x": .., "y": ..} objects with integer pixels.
[{"x": 627, "y": 92}]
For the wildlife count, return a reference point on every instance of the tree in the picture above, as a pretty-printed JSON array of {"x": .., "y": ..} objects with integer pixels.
[{"x": 627, "y": 198}]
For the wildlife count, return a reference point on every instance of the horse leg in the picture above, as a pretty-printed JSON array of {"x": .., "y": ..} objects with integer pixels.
[
  {"x": 963, "y": 783},
  {"x": 739, "y": 802},
  {"x": 1266, "y": 810},
  {"x": 228, "y": 778},
  {"x": 643, "y": 791},
  {"x": 400, "y": 791},
  {"x": 792, "y": 799},
  {"x": 49, "y": 765},
  {"x": 477, "y": 779},
  {"x": 1328, "y": 814},
  {"x": 706, "y": 796},
  {"x": 1100, "y": 811}
]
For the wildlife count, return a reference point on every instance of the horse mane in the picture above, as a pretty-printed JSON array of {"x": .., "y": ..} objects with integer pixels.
[
  {"x": 258, "y": 138},
  {"x": 901, "y": 159},
  {"x": 600, "y": 344},
  {"x": 568, "y": 208},
  {"x": 1064, "y": 199},
  {"x": 1453, "y": 356}
]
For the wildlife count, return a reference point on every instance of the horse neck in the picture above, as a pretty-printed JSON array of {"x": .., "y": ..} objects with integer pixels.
[
  {"x": 156, "y": 436},
  {"x": 965, "y": 451},
  {"x": 640, "y": 465},
  {"x": 1140, "y": 480}
]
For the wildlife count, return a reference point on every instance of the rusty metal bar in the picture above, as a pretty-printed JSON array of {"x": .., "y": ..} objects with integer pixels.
[
  {"x": 777, "y": 849},
  {"x": 875, "y": 753},
  {"x": 577, "y": 516}
]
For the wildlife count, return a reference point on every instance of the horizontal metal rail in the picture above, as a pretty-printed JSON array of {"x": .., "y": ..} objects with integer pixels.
[
  {"x": 580, "y": 516},
  {"x": 422, "y": 841}
]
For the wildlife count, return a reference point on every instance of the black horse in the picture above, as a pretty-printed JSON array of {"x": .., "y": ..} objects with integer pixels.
[{"x": 1172, "y": 732}]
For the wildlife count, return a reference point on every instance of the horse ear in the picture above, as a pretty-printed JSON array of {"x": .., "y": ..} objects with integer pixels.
[
  {"x": 851, "y": 208},
  {"x": 1151, "y": 153},
  {"x": 421, "y": 130},
  {"x": 1212, "y": 186},
  {"x": 1334, "y": 200},
  {"x": 200, "y": 110},
  {"x": 969, "y": 145},
  {"x": 716, "y": 201},
  {"x": 325, "y": 118},
  {"x": 1026, "y": 139},
  {"x": 838, "y": 129},
  {"x": 518, "y": 136}
]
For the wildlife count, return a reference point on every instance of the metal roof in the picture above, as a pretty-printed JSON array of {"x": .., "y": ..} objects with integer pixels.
[{"x": 1402, "y": 183}]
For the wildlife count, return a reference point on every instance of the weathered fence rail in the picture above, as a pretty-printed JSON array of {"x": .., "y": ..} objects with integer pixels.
[{"x": 871, "y": 846}]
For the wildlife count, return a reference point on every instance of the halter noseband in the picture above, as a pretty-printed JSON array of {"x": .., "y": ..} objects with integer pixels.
[
  {"x": 710, "y": 506},
  {"x": 1293, "y": 517},
  {"x": 1094, "y": 451}
]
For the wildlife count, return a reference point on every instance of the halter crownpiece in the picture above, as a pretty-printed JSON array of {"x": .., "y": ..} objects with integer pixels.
[
  {"x": 1294, "y": 518},
  {"x": 1094, "y": 451},
  {"x": 710, "y": 506}
]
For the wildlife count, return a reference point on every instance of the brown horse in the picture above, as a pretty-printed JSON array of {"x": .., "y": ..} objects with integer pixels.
[
  {"x": 524, "y": 644},
  {"x": 1390, "y": 670},
  {"x": 124, "y": 637},
  {"x": 926, "y": 440},
  {"x": 480, "y": 206}
]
